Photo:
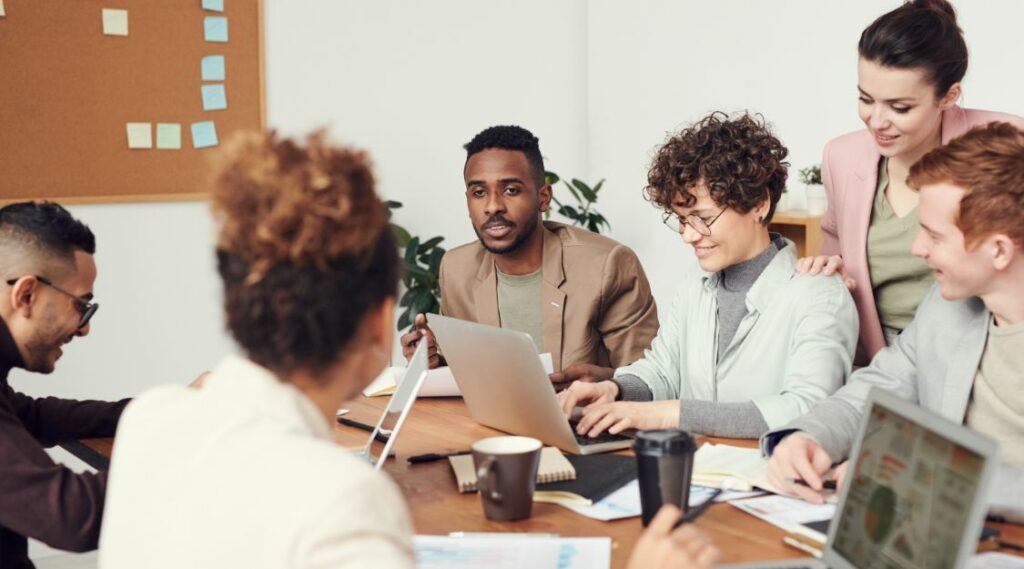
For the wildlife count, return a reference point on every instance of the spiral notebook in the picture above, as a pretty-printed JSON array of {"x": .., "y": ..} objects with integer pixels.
[{"x": 553, "y": 468}]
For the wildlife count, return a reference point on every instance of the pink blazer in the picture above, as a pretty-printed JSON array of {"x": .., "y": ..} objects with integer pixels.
[{"x": 849, "y": 171}]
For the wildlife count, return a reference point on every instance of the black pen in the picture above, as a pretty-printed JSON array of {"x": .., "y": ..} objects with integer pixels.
[
  {"x": 380, "y": 438},
  {"x": 825, "y": 484},
  {"x": 695, "y": 512},
  {"x": 431, "y": 457}
]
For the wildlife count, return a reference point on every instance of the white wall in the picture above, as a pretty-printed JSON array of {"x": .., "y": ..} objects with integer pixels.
[
  {"x": 657, "y": 65},
  {"x": 600, "y": 82}
]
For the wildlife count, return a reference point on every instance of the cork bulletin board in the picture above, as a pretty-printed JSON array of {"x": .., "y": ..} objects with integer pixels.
[{"x": 83, "y": 80}]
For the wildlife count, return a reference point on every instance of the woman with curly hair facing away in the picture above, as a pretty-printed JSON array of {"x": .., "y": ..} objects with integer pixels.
[
  {"x": 244, "y": 471},
  {"x": 912, "y": 62},
  {"x": 749, "y": 344}
]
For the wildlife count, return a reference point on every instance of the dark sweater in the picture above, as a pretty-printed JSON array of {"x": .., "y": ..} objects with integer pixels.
[{"x": 39, "y": 498}]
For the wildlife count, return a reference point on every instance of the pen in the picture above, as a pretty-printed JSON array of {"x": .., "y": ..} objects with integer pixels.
[
  {"x": 432, "y": 456},
  {"x": 695, "y": 512},
  {"x": 825, "y": 484},
  {"x": 380, "y": 437}
]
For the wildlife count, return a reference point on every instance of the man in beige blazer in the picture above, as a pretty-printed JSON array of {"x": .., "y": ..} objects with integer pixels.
[{"x": 582, "y": 297}]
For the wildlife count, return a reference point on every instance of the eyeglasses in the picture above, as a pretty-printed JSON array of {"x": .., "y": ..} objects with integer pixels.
[
  {"x": 85, "y": 308},
  {"x": 678, "y": 223}
]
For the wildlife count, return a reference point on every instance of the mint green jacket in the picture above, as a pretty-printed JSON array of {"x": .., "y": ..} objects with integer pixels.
[{"x": 794, "y": 347}]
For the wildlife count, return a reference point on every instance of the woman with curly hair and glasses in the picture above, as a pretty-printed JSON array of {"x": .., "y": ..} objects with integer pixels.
[
  {"x": 748, "y": 344},
  {"x": 244, "y": 472}
]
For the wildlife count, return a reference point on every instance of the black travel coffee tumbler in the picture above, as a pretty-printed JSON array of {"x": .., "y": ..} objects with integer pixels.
[{"x": 664, "y": 462}]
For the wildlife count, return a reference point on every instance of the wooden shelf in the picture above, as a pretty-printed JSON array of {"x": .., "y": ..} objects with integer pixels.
[{"x": 801, "y": 228}]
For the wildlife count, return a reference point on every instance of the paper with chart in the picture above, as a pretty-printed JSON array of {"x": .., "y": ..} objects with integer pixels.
[
  {"x": 787, "y": 513},
  {"x": 509, "y": 551},
  {"x": 625, "y": 502}
]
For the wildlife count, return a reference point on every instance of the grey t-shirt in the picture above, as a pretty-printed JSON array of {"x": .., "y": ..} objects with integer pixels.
[{"x": 519, "y": 304}]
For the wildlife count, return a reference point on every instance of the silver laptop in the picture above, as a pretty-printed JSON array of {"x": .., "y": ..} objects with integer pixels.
[
  {"x": 504, "y": 385},
  {"x": 398, "y": 407},
  {"x": 914, "y": 496}
]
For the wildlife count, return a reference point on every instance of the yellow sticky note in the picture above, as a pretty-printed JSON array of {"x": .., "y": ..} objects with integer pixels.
[
  {"x": 140, "y": 135},
  {"x": 115, "y": 22}
]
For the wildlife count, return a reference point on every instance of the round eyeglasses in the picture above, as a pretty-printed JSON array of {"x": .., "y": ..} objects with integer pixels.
[{"x": 678, "y": 223}]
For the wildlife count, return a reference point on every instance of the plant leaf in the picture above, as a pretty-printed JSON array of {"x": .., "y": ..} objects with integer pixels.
[
  {"x": 401, "y": 235},
  {"x": 434, "y": 265},
  {"x": 405, "y": 320},
  {"x": 551, "y": 178},
  {"x": 597, "y": 188},
  {"x": 575, "y": 195},
  {"x": 584, "y": 190},
  {"x": 569, "y": 211},
  {"x": 422, "y": 276},
  {"x": 392, "y": 204},
  {"x": 430, "y": 244},
  {"x": 410, "y": 251}
]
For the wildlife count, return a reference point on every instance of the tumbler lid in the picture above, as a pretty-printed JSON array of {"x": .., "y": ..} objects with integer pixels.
[{"x": 664, "y": 441}]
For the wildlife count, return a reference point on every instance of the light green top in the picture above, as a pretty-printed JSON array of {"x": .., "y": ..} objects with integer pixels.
[
  {"x": 899, "y": 279},
  {"x": 519, "y": 304},
  {"x": 793, "y": 348}
]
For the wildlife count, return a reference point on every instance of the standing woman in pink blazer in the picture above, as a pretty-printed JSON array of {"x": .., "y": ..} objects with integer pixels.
[{"x": 912, "y": 61}]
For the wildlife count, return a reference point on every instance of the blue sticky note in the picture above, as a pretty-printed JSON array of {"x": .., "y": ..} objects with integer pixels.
[
  {"x": 214, "y": 97},
  {"x": 213, "y": 5},
  {"x": 213, "y": 68},
  {"x": 215, "y": 28},
  {"x": 204, "y": 134}
]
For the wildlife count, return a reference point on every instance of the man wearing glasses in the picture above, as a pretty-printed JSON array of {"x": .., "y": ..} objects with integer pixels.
[
  {"x": 47, "y": 273},
  {"x": 749, "y": 344}
]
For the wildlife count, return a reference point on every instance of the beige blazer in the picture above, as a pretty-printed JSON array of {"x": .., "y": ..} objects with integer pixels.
[{"x": 597, "y": 303}]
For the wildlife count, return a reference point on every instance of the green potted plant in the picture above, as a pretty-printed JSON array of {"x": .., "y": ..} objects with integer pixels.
[
  {"x": 582, "y": 213},
  {"x": 421, "y": 263},
  {"x": 817, "y": 201}
]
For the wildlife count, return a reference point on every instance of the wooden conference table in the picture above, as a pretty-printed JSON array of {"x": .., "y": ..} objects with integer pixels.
[{"x": 444, "y": 425}]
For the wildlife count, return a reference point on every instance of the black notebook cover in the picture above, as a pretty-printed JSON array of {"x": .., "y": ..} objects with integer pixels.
[{"x": 597, "y": 475}]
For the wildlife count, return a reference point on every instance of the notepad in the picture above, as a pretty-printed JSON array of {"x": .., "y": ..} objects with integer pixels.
[
  {"x": 597, "y": 476},
  {"x": 730, "y": 467},
  {"x": 553, "y": 468}
]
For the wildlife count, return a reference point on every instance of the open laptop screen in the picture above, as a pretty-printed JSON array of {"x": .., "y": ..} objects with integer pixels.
[{"x": 910, "y": 498}]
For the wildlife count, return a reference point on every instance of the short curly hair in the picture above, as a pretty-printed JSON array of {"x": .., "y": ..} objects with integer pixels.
[
  {"x": 739, "y": 160},
  {"x": 304, "y": 248}
]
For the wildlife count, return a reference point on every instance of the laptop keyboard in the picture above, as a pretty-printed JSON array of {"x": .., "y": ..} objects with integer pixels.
[{"x": 605, "y": 437}]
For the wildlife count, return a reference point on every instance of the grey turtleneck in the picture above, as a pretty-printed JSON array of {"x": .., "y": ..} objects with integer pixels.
[
  {"x": 723, "y": 419},
  {"x": 733, "y": 285}
]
